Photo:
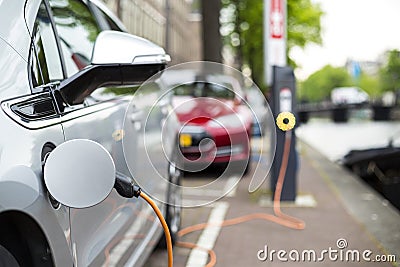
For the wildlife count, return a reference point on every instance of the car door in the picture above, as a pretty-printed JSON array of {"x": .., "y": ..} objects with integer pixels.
[{"x": 110, "y": 232}]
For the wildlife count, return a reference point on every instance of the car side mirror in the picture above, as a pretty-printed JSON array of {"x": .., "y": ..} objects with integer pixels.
[
  {"x": 118, "y": 59},
  {"x": 113, "y": 47},
  {"x": 79, "y": 173}
]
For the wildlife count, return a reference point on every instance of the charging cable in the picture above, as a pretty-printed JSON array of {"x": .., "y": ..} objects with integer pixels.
[
  {"x": 164, "y": 225},
  {"x": 126, "y": 187},
  {"x": 286, "y": 122}
]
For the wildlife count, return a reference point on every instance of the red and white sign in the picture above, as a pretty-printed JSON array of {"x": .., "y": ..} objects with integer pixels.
[
  {"x": 274, "y": 36},
  {"x": 276, "y": 19}
]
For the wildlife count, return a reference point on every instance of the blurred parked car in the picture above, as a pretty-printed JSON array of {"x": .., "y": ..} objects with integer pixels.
[
  {"x": 216, "y": 122},
  {"x": 258, "y": 104},
  {"x": 348, "y": 95},
  {"x": 53, "y": 55}
]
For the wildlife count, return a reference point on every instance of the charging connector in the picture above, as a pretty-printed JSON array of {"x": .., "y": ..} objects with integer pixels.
[{"x": 126, "y": 187}]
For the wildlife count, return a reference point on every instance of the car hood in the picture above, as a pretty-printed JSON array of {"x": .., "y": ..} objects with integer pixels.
[{"x": 200, "y": 110}]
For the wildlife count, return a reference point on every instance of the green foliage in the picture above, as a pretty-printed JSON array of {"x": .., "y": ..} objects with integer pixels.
[
  {"x": 303, "y": 24},
  {"x": 369, "y": 84},
  {"x": 390, "y": 73},
  {"x": 73, "y": 14},
  {"x": 242, "y": 29},
  {"x": 319, "y": 85}
]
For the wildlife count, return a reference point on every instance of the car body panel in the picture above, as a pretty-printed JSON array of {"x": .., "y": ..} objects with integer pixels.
[
  {"x": 19, "y": 42},
  {"x": 26, "y": 193},
  {"x": 14, "y": 78},
  {"x": 201, "y": 110},
  {"x": 95, "y": 228}
]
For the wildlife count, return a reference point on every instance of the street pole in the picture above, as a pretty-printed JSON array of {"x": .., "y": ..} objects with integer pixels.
[
  {"x": 265, "y": 41},
  {"x": 274, "y": 37},
  {"x": 167, "y": 26},
  {"x": 281, "y": 81}
]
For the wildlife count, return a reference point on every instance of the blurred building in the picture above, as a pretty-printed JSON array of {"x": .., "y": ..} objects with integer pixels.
[
  {"x": 370, "y": 68},
  {"x": 172, "y": 24}
]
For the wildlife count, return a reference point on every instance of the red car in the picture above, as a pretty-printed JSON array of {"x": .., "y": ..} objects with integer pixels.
[{"x": 216, "y": 125}]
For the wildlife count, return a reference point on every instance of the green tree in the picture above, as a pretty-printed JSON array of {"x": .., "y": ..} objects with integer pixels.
[
  {"x": 303, "y": 24},
  {"x": 390, "y": 73},
  {"x": 242, "y": 28},
  {"x": 370, "y": 84},
  {"x": 319, "y": 85}
]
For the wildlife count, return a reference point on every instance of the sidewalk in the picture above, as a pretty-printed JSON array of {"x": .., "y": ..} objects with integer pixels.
[{"x": 345, "y": 209}]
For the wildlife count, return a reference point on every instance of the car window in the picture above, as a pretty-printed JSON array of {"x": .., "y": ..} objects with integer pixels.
[
  {"x": 77, "y": 29},
  {"x": 204, "y": 89},
  {"x": 105, "y": 18},
  {"x": 112, "y": 25},
  {"x": 45, "y": 58}
]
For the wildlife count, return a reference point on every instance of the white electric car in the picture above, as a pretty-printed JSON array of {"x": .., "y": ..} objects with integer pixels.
[{"x": 60, "y": 64}]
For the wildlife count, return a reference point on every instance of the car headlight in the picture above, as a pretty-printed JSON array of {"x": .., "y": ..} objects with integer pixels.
[{"x": 192, "y": 135}]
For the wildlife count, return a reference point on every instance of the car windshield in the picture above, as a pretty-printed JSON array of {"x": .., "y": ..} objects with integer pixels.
[{"x": 204, "y": 89}]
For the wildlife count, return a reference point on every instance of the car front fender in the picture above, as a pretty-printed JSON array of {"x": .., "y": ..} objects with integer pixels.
[{"x": 21, "y": 191}]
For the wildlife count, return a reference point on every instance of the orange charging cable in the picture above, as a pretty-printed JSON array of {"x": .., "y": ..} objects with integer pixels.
[
  {"x": 164, "y": 225},
  {"x": 279, "y": 217},
  {"x": 295, "y": 223}
]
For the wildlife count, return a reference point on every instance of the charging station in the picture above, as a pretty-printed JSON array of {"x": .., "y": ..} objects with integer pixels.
[{"x": 283, "y": 98}]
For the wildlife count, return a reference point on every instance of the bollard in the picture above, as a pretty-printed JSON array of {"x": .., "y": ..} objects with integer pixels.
[
  {"x": 340, "y": 113},
  {"x": 381, "y": 113}
]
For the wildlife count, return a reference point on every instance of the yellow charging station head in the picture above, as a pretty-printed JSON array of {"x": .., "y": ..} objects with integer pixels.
[{"x": 285, "y": 121}]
